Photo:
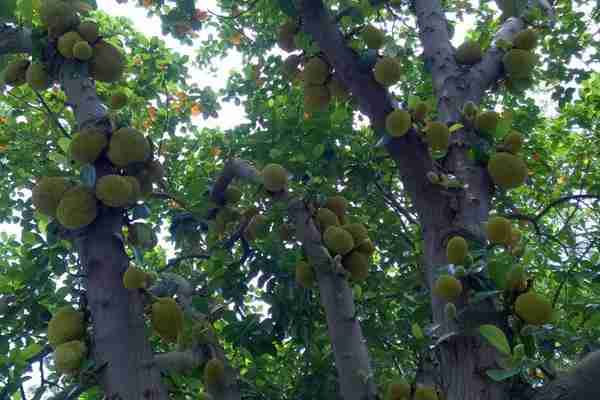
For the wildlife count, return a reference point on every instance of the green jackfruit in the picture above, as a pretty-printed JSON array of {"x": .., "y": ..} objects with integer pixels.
[
  {"x": 519, "y": 63},
  {"x": 498, "y": 230},
  {"x": 15, "y": 74},
  {"x": 316, "y": 71},
  {"x": 338, "y": 240},
  {"x": 387, "y": 71},
  {"x": 516, "y": 279},
  {"x": 65, "y": 325},
  {"x": 87, "y": 145},
  {"x": 316, "y": 98},
  {"x": 108, "y": 63},
  {"x": 507, "y": 170},
  {"x": 423, "y": 392},
  {"x": 77, "y": 208},
  {"x": 304, "y": 275},
  {"x": 167, "y": 319},
  {"x": 58, "y": 17},
  {"x": 82, "y": 51},
  {"x": 232, "y": 194},
  {"x": 69, "y": 356},
  {"x": 373, "y": 37},
  {"x": 135, "y": 278},
  {"x": 114, "y": 190},
  {"x": 438, "y": 136},
  {"x": 37, "y": 77},
  {"x": 457, "y": 250},
  {"x": 275, "y": 177},
  {"x": 534, "y": 308},
  {"x": 136, "y": 190},
  {"x": 214, "y": 372},
  {"x": 399, "y": 389},
  {"x": 358, "y": 231},
  {"x": 397, "y": 123},
  {"x": 48, "y": 192},
  {"x": 526, "y": 39},
  {"x": 337, "y": 204},
  {"x": 326, "y": 218},
  {"x": 487, "y": 121},
  {"x": 357, "y": 264},
  {"x": 447, "y": 287},
  {"x": 142, "y": 235},
  {"x": 66, "y": 43},
  {"x": 366, "y": 246},
  {"x": 128, "y": 146},
  {"x": 88, "y": 31},
  {"x": 469, "y": 53}
]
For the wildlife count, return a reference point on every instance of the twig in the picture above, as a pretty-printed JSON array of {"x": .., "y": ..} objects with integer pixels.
[
  {"x": 394, "y": 204},
  {"x": 51, "y": 114},
  {"x": 174, "y": 262}
]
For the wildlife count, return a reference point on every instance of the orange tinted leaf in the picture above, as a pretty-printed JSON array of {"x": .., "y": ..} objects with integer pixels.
[
  {"x": 236, "y": 39},
  {"x": 196, "y": 109}
]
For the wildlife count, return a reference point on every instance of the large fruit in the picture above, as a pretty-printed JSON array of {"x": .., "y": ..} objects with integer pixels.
[
  {"x": 398, "y": 123},
  {"x": 15, "y": 73},
  {"x": 337, "y": 204},
  {"x": 77, "y": 208},
  {"x": 513, "y": 142},
  {"x": 88, "y": 31},
  {"x": 387, "y": 71},
  {"x": 232, "y": 194},
  {"x": 457, "y": 250},
  {"x": 468, "y": 53},
  {"x": 357, "y": 264},
  {"x": 69, "y": 356},
  {"x": 447, "y": 287},
  {"x": 326, "y": 218},
  {"x": 167, "y": 319},
  {"x": 534, "y": 308},
  {"x": 142, "y": 235},
  {"x": 499, "y": 230},
  {"x": 438, "y": 136},
  {"x": 519, "y": 63},
  {"x": 316, "y": 71},
  {"x": 87, "y": 145},
  {"x": 66, "y": 325},
  {"x": 507, "y": 170},
  {"x": 526, "y": 39},
  {"x": 358, "y": 231},
  {"x": 487, "y": 122},
  {"x": 399, "y": 389},
  {"x": 48, "y": 192},
  {"x": 275, "y": 177},
  {"x": 304, "y": 275},
  {"x": 66, "y": 43},
  {"x": 135, "y": 278},
  {"x": 338, "y": 240},
  {"x": 82, "y": 51},
  {"x": 373, "y": 37},
  {"x": 316, "y": 98},
  {"x": 58, "y": 17},
  {"x": 108, "y": 63},
  {"x": 114, "y": 190},
  {"x": 214, "y": 372},
  {"x": 127, "y": 146},
  {"x": 37, "y": 77}
]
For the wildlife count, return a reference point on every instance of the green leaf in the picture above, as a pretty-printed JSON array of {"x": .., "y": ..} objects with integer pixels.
[
  {"x": 495, "y": 337},
  {"x": 500, "y": 375},
  {"x": 498, "y": 272},
  {"x": 64, "y": 144},
  {"x": 288, "y": 7},
  {"x": 7, "y": 9},
  {"x": 456, "y": 127},
  {"x": 417, "y": 331}
]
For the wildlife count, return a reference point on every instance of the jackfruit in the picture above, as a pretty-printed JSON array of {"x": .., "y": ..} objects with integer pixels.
[
  {"x": 66, "y": 325},
  {"x": 88, "y": 30},
  {"x": 498, "y": 230},
  {"x": 135, "y": 278},
  {"x": 516, "y": 279},
  {"x": 48, "y": 192},
  {"x": 519, "y": 63},
  {"x": 87, "y": 145},
  {"x": 515, "y": 237},
  {"x": 258, "y": 227},
  {"x": 107, "y": 64},
  {"x": 447, "y": 287},
  {"x": 358, "y": 231},
  {"x": 534, "y": 308},
  {"x": 420, "y": 111},
  {"x": 77, "y": 208},
  {"x": 127, "y": 146},
  {"x": 457, "y": 250},
  {"x": 214, "y": 372},
  {"x": 387, "y": 71},
  {"x": 58, "y": 17},
  {"x": 167, "y": 319},
  {"x": 290, "y": 66},
  {"x": 316, "y": 71},
  {"x": 398, "y": 389},
  {"x": 507, "y": 170},
  {"x": 316, "y": 98},
  {"x": 326, "y": 218},
  {"x": 15, "y": 73},
  {"x": 518, "y": 86},
  {"x": 69, "y": 356},
  {"x": 275, "y": 177},
  {"x": 82, "y": 51},
  {"x": 425, "y": 393},
  {"x": 337, "y": 90},
  {"x": 468, "y": 53},
  {"x": 304, "y": 275},
  {"x": 438, "y": 136},
  {"x": 513, "y": 142},
  {"x": 142, "y": 235},
  {"x": 366, "y": 246},
  {"x": 118, "y": 100},
  {"x": 398, "y": 123},
  {"x": 373, "y": 37},
  {"x": 113, "y": 190},
  {"x": 37, "y": 77},
  {"x": 66, "y": 43},
  {"x": 450, "y": 311},
  {"x": 338, "y": 240},
  {"x": 526, "y": 39},
  {"x": 337, "y": 204},
  {"x": 357, "y": 264},
  {"x": 232, "y": 194},
  {"x": 136, "y": 190},
  {"x": 487, "y": 121},
  {"x": 285, "y": 39}
]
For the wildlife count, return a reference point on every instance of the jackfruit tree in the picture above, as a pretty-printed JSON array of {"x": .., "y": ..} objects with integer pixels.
[{"x": 299, "y": 199}]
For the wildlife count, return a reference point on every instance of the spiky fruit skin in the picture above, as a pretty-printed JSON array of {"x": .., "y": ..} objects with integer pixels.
[
  {"x": 387, "y": 71},
  {"x": 373, "y": 37},
  {"x": 526, "y": 39},
  {"x": 285, "y": 39},
  {"x": 507, "y": 170},
  {"x": 337, "y": 90},
  {"x": 457, "y": 250},
  {"x": 358, "y": 231},
  {"x": 420, "y": 111},
  {"x": 113, "y": 190},
  {"x": 66, "y": 43},
  {"x": 107, "y": 64},
  {"x": 398, "y": 122},
  {"x": 69, "y": 356},
  {"x": 88, "y": 30},
  {"x": 66, "y": 325},
  {"x": 275, "y": 177},
  {"x": 214, "y": 372},
  {"x": 519, "y": 63},
  {"x": 232, "y": 194},
  {"x": 316, "y": 98},
  {"x": 87, "y": 145},
  {"x": 136, "y": 190},
  {"x": 15, "y": 73},
  {"x": 118, "y": 100},
  {"x": 468, "y": 53},
  {"x": 37, "y": 77},
  {"x": 304, "y": 275},
  {"x": 167, "y": 319},
  {"x": 366, "y": 247},
  {"x": 398, "y": 390},
  {"x": 77, "y": 208},
  {"x": 135, "y": 278},
  {"x": 438, "y": 136},
  {"x": 142, "y": 235},
  {"x": 487, "y": 121},
  {"x": 534, "y": 308},
  {"x": 48, "y": 192},
  {"x": 257, "y": 228},
  {"x": 513, "y": 142},
  {"x": 337, "y": 204},
  {"x": 338, "y": 240},
  {"x": 425, "y": 393},
  {"x": 357, "y": 264},
  {"x": 516, "y": 279},
  {"x": 58, "y": 17},
  {"x": 518, "y": 86},
  {"x": 498, "y": 230},
  {"x": 447, "y": 287},
  {"x": 127, "y": 146},
  {"x": 82, "y": 51},
  {"x": 326, "y": 218},
  {"x": 316, "y": 71}
]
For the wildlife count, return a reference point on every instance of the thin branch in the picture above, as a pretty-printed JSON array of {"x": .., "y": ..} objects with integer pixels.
[
  {"x": 392, "y": 202},
  {"x": 174, "y": 262},
  {"x": 565, "y": 199},
  {"x": 51, "y": 114}
]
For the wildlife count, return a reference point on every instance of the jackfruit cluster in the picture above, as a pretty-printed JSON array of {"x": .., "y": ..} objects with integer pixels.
[
  {"x": 275, "y": 178},
  {"x": 447, "y": 287},
  {"x": 58, "y": 17},
  {"x": 167, "y": 319},
  {"x": 316, "y": 71},
  {"x": 387, "y": 71},
  {"x": 468, "y": 53},
  {"x": 127, "y": 146},
  {"x": 114, "y": 190},
  {"x": 87, "y": 145},
  {"x": 337, "y": 204},
  {"x": 357, "y": 263},
  {"x": 518, "y": 63},
  {"x": 77, "y": 208},
  {"x": 338, "y": 240},
  {"x": 457, "y": 250},
  {"x": 214, "y": 372},
  {"x": 398, "y": 389},
  {"x": 304, "y": 275},
  {"x": 65, "y": 325},
  {"x": 398, "y": 122},
  {"x": 437, "y": 136},
  {"x": 507, "y": 170},
  {"x": 135, "y": 278},
  {"x": 487, "y": 121},
  {"x": 534, "y": 308},
  {"x": 286, "y": 36},
  {"x": 69, "y": 356},
  {"x": 373, "y": 37},
  {"x": 48, "y": 192}
]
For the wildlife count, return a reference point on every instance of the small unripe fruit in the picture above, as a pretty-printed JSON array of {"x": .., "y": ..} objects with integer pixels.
[
  {"x": 387, "y": 71},
  {"x": 398, "y": 123},
  {"x": 499, "y": 230},
  {"x": 448, "y": 287},
  {"x": 304, "y": 275},
  {"x": 457, "y": 250},
  {"x": 214, "y": 372},
  {"x": 82, "y": 51},
  {"x": 533, "y": 308},
  {"x": 275, "y": 177}
]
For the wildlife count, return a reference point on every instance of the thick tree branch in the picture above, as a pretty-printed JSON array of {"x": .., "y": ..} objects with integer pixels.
[{"x": 14, "y": 39}]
